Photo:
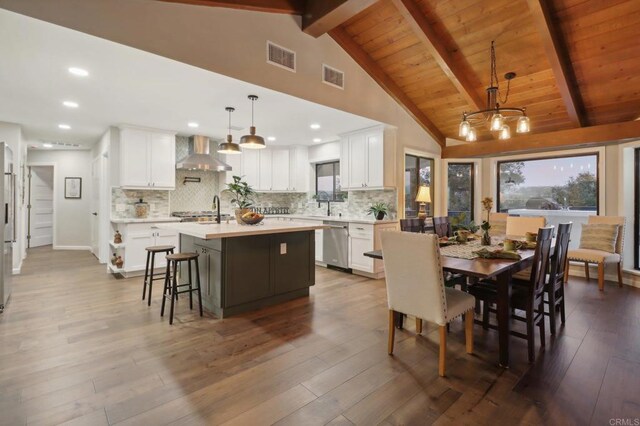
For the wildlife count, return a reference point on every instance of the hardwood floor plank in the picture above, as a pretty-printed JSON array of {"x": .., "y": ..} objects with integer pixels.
[{"x": 82, "y": 348}]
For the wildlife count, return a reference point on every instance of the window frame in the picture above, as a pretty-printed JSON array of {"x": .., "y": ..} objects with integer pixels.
[
  {"x": 636, "y": 209},
  {"x": 551, "y": 157},
  {"x": 473, "y": 185},
  {"x": 418, "y": 157},
  {"x": 335, "y": 190}
]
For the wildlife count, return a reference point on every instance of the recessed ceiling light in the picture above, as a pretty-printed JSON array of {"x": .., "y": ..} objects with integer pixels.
[
  {"x": 316, "y": 140},
  {"x": 80, "y": 72},
  {"x": 70, "y": 104},
  {"x": 64, "y": 126},
  {"x": 47, "y": 145},
  {"x": 193, "y": 124},
  {"x": 315, "y": 126},
  {"x": 271, "y": 138}
]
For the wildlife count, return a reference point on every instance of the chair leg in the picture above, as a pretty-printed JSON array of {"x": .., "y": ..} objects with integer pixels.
[
  {"x": 485, "y": 314},
  {"x": 190, "y": 286},
  {"x": 152, "y": 270},
  {"x": 199, "y": 286},
  {"x": 562, "y": 311},
  {"x": 552, "y": 307},
  {"x": 146, "y": 277},
  {"x": 418, "y": 325},
  {"x": 566, "y": 271},
  {"x": 620, "y": 274},
  {"x": 531, "y": 339},
  {"x": 443, "y": 350},
  {"x": 175, "y": 291},
  {"x": 468, "y": 330},
  {"x": 542, "y": 330},
  {"x": 601, "y": 276},
  {"x": 586, "y": 270},
  {"x": 392, "y": 331},
  {"x": 166, "y": 288}
]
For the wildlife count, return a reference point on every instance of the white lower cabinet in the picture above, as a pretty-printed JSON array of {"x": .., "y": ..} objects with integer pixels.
[
  {"x": 136, "y": 237},
  {"x": 364, "y": 238}
]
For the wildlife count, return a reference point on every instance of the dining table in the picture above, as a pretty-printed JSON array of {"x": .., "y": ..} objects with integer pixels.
[{"x": 500, "y": 270}]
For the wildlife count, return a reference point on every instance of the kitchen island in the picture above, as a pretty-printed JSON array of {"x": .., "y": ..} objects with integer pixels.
[{"x": 244, "y": 267}]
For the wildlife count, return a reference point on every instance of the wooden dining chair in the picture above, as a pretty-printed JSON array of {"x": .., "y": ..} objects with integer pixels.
[
  {"x": 498, "y": 223},
  {"x": 415, "y": 286},
  {"x": 518, "y": 226},
  {"x": 554, "y": 287},
  {"x": 593, "y": 246},
  {"x": 527, "y": 296},
  {"x": 412, "y": 225},
  {"x": 442, "y": 226}
]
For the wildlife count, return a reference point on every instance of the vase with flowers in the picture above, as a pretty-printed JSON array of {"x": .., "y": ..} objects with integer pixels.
[{"x": 487, "y": 205}]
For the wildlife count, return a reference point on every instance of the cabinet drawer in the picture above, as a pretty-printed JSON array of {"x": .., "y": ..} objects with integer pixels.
[{"x": 360, "y": 230}]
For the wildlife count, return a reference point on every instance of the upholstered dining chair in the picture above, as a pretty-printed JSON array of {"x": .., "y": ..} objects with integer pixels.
[
  {"x": 498, "y": 223},
  {"x": 518, "y": 226},
  {"x": 415, "y": 286},
  {"x": 442, "y": 226},
  {"x": 600, "y": 244},
  {"x": 412, "y": 225}
]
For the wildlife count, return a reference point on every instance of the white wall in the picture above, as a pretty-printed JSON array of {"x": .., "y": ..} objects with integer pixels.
[
  {"x": 72, "y": 216},
  {"x": 12, "y": 134}
]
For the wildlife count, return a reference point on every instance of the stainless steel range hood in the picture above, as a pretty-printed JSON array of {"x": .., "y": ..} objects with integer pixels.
[{"x": 199, "y": 157}]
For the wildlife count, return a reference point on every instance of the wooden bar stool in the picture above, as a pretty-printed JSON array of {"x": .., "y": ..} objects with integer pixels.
[
  {"x": 171, "y": 281},
  {"x": 150, "y": 267}
]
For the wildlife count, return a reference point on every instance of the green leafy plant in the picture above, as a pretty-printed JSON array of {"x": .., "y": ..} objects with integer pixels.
[
  {"x": 459, "y": 223},
  {"x": 241, "y": 193},
  {"x": 378, "y": 208}
]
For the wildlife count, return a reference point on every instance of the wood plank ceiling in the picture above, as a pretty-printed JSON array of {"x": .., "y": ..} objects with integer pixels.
[{"x": 577, "y": 61}]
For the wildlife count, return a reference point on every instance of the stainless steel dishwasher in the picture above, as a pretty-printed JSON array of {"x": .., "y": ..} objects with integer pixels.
[{"x": 335, "y": 244}]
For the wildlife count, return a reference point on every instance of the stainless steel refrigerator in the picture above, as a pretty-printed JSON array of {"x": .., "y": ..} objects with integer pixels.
[{"x": 7, "y": 230}]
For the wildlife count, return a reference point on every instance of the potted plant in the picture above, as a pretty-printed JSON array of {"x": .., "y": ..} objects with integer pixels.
[
  {"x": 379, "y": 210},
  {"x": 241, "y": 194},
  {"x": 487, "y": 205}
]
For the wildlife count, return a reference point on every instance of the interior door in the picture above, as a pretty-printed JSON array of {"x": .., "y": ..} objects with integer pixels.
[
  {"x": 96, "y": 173},
  {"x": 41, "y": 202}
]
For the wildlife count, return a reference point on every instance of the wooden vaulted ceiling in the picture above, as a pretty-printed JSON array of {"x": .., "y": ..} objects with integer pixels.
[{"x": 577, "y": 61}]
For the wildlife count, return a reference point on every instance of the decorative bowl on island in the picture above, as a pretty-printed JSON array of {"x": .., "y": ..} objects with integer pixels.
[{"x": 252, "y": 218}]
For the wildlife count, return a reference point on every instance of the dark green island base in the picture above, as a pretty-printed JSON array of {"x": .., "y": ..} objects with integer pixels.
[{"x": 240, "y": 274}]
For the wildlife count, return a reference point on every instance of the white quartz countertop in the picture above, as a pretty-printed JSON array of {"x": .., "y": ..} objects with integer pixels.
[
  {"x": 145, "y": 220},
  {"x": 209, "y": 231},
  {"x": 347, "y": 219}
]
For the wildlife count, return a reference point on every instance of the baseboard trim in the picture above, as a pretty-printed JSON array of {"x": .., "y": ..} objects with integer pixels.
[
  {"x": 16, "y": 271},
  {"x": 72, "y": 248}
]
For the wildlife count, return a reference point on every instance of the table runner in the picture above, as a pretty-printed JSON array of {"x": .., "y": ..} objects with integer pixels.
[{"x": 466, "y": 251}]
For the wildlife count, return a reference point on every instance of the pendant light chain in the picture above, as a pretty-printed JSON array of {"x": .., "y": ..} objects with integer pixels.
[{"x": 494, "y": 75}]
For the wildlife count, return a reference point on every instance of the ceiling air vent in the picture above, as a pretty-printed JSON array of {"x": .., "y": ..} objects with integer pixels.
[
  {"x": 332, "y": 76},
  {"x": 281, "y": 57}
]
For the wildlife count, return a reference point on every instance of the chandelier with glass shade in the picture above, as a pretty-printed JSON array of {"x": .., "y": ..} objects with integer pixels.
[{"x": 495, "y": 116}]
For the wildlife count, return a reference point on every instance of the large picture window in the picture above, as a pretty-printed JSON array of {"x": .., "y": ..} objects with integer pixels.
[
  {"x": 558, "y": 183},
  {"x": 460, "y": 184},
  {"x": 328, "y": 182},
  {"x": 417, "y": 171}
]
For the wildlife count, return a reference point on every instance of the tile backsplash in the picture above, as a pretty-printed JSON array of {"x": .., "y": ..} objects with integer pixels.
[{"x": 125, "y": 198}]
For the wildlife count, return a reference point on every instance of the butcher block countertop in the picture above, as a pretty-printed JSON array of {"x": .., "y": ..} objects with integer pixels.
[{"x": 210, "y": 231}]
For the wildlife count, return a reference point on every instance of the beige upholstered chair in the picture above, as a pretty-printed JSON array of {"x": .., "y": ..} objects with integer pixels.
[
  {"x": 600, "y": 257},
  {"x": 518, "y": 226},
  {"x": 498, "y": 223},
  {"x": 415, "y": 286}
]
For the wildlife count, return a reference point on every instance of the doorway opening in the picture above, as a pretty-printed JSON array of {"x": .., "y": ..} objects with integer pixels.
[{"x": 40, "y": 224}]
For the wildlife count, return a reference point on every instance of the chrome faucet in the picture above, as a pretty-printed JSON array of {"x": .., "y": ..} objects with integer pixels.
[
  {"x": 216, "y": 205},
  {"x": 328, "y": 208}
]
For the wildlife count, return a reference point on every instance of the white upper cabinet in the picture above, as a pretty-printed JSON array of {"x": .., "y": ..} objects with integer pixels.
[
  {"x": 367, "y": 159},
  {"x": 147, "y": 159},
  {"x": 251, "y": 167},
  {"x": 265, "y": 182},
  {"x": 280, "y": 170},
  {"x": 283, "y": 169}
]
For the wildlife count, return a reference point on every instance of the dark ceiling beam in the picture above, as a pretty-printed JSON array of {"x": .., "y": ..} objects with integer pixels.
[
  {"x": 291, "y": 7},
  {"x": 458, "y": 71},
  {"x": 559, "y": 59},
  {"x": 321, "y": 16},
  {"x": 562, "y": 139},
  {"x": 380, "y": 77}
]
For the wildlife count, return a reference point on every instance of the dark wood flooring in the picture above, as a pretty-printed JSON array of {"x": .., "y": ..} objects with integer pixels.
[{"x": 78, "y": 346}]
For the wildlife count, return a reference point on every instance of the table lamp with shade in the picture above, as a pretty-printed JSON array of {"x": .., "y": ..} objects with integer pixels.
[{"x": 423, "y": 197}]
